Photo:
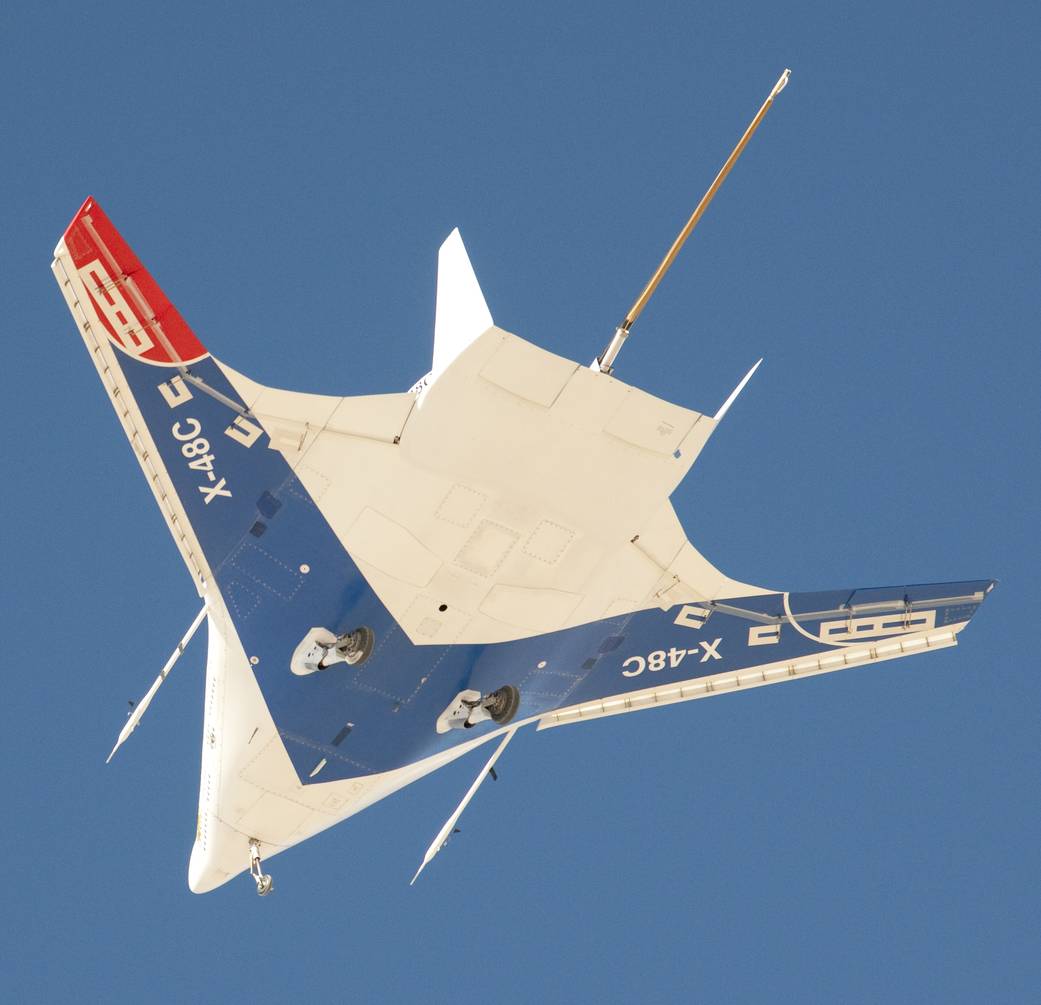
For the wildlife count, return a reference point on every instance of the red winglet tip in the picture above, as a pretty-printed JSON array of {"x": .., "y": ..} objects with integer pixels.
[{"x": 143, "y": 323}]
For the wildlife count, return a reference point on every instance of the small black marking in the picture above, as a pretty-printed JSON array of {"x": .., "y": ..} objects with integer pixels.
[
  {"x": 589, "y": 664},
  {"x": 343, "y": 734},
  {"x": 257, "y": 530},
  {"x": 611, "y": 643},
  {"x": 442, "y": 608}
]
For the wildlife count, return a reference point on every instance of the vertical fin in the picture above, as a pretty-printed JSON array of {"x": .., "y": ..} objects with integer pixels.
[{"x": 462, "y": 313}]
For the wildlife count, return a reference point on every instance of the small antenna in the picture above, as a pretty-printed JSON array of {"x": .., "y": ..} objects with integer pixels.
[{"x": 605, "y": 361}]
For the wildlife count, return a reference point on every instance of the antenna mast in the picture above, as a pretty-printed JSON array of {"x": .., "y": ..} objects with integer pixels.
[{"x": 605, "y": 361}]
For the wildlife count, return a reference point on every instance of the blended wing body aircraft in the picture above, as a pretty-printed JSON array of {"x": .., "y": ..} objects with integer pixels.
[{"x": 392, "y": 580}]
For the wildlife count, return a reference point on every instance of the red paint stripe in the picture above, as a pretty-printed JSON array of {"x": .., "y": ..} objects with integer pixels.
[{"x": 91, "y": 237}]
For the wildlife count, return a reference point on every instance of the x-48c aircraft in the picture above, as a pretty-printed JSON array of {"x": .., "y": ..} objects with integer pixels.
[{"x": 391, "y": 580}]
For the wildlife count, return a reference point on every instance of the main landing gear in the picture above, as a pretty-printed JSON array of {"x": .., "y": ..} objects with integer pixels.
[
  {"x": 265, "y": 884},
  {"x": 468, "y": 708},
  {"x": 320, "y": 649}
]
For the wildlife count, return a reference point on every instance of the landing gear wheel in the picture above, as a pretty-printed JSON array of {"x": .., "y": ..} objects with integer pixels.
[
  {"x": 360, "y": 646},
  {"x": 264, "y": 882},
  {"x": 502, "y": 705}
]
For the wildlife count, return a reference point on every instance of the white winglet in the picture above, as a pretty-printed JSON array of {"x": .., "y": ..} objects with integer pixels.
[
  {"x": 733, "y": 394},
  {"x": 442, "y": 835},
  {"x": 142, "y": 705},
  {"x": 461, "y": 313}
]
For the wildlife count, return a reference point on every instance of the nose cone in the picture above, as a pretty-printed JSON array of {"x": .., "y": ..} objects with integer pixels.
[
  {"x": 218, "y": 855},
  {"x": 203, "y": 874}
]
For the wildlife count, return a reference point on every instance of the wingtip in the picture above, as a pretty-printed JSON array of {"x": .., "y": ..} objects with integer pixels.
[{"x": 88, "y": 204}]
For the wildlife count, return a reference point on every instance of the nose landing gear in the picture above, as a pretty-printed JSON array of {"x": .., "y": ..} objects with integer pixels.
[{"x": 265, "y": 884}]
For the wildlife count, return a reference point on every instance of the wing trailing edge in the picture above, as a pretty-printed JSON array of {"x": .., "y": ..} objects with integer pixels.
[{"x": 749, "y": 642}]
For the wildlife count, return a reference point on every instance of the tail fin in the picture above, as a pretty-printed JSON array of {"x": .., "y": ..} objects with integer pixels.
[{"x": 461, "y": 313}]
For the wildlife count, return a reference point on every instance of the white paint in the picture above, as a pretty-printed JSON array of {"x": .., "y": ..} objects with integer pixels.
[
  {"x": 767, "y": 673},
  {"x": 442, "y": 835},
  {"x": 473, "y": 501},
  {"x": 725, "y": 407},
  {"x": 175, "y": 391},
  {"x": 108, "y": 298},
  {"x": 691, "y": 617},
  {"x": 142, "y": 706},
  {"x": 243, "y": 431},
  {"x": 877, "y": 626},
  {"x": 764, "y": 635},
  {"x": 461, "y": 314}
]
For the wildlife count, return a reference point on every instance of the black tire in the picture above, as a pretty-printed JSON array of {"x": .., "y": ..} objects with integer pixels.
[
  {"x": 504, "y": 705},
  {"x": 365, "y": 640}
]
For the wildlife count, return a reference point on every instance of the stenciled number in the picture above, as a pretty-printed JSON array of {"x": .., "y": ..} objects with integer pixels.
[
  {"x": 189, "y": 435},
  {"x": 196, "y": 448},
  {"x": 656, "y": 660},
  {"x": 639, "y": 662},
  {"x": 204, "y": 463}
]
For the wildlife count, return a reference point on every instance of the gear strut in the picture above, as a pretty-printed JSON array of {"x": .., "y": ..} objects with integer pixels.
[{"x": 265, "y": 884}]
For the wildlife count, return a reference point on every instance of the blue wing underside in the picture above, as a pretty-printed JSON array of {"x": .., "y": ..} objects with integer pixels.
[{"x": 282, "y": 570}]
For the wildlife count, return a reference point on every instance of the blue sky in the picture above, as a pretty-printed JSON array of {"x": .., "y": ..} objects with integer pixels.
[{"x": 288, "y": 173}]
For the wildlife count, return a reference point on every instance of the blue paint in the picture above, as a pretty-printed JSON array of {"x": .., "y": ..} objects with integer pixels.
[{"x": 257, "y": 540}]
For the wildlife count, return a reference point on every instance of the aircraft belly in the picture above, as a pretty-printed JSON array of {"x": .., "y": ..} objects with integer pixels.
[
  {"x": 508, "y": 524},
  {"x": 281, "y": 570},
  {"x": 515, "y": 499}
]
